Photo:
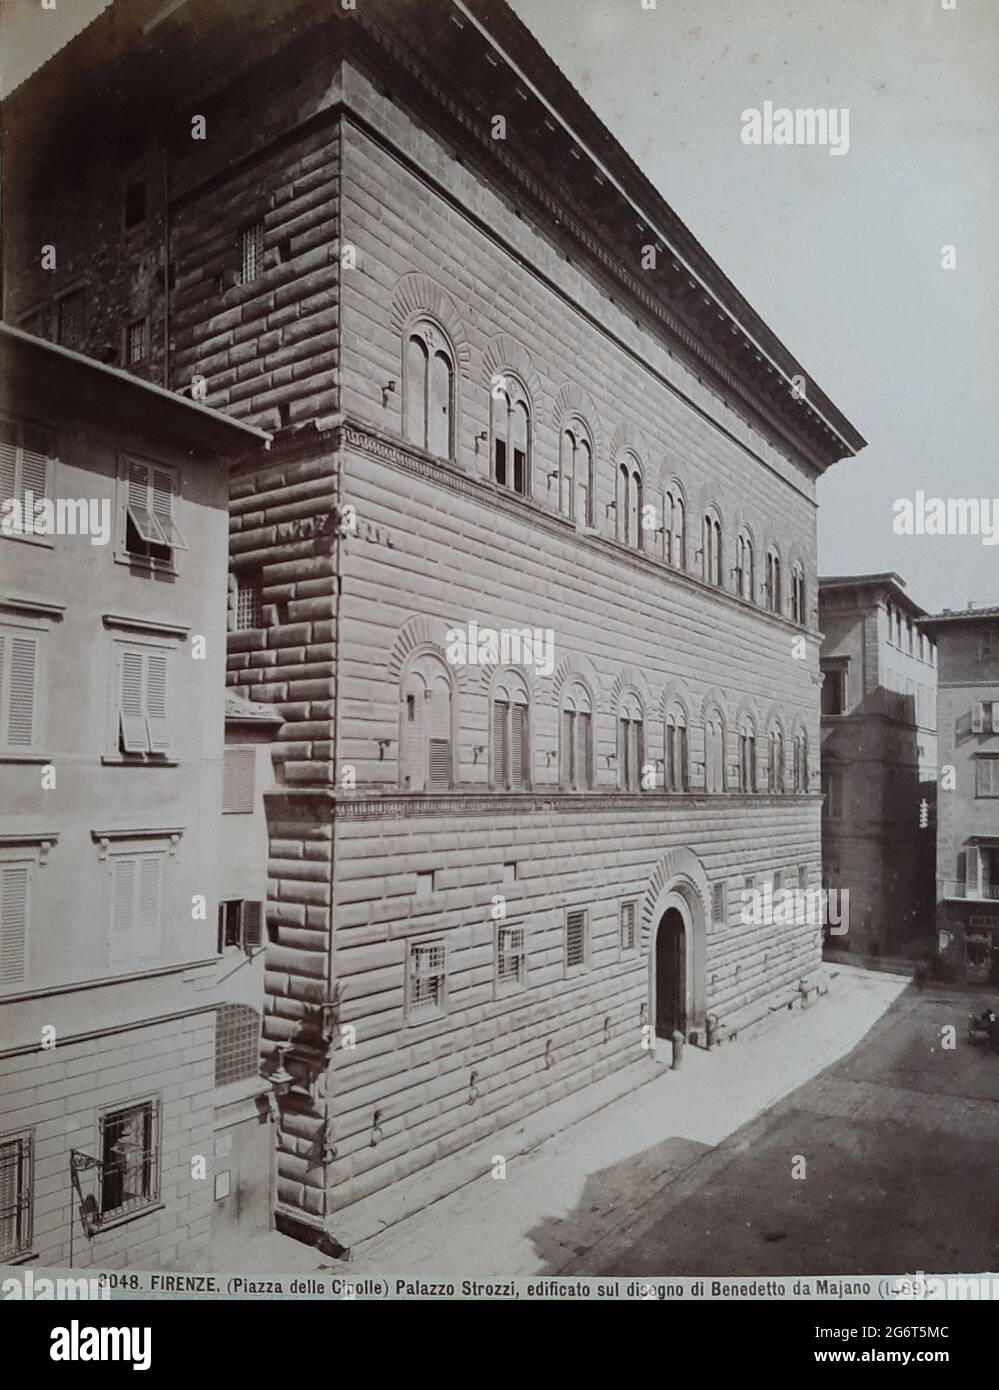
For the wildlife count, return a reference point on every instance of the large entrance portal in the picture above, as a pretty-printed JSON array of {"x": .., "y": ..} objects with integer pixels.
[{"x": 671, "y": 975}]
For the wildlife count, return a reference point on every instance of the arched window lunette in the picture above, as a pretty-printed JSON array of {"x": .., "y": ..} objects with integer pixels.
[
  {"x": 774, "y": 581},
  {"x": 575, "y": 472},
  {"x": 575, "y": 738},
  {"x": 428, "y": 389},
  {"x": 510, "y": 759},
  {"x": 775, "y": 760},
  {"x": 675, "y": 527},
  {"x": 676, "y": 774},
  {"x": 510, "y": 430},
  {"x": 628, "y": 502},
  {"x": 427, "y": 720},
  {"x": 744, "y": 572},
  {"x": 711, "y": 548},
  {"x": 747, "y": 755},
  {"x": 799, "y": 610},
  {"x": 801, "y": 760},
  {"x": 714, "y": 751},
  {"x": 630, "y": 742}
]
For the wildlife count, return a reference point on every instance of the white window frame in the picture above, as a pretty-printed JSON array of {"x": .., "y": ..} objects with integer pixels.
[
  {"x": 14, "y": 486},
  {"x": 148, "y": 519},
  {"x": 511, "y": 984},
  {"x": 421, "y": 1013},
  {"x": 138, "y": 852},
  {"x": 15, "y": 628},
  {"x": 236, "y": 758},
  {"x": 123, "y": 648}
]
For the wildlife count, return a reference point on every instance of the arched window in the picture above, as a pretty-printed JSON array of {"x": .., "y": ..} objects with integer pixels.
[
  {"x": 775, "y": 596},
  {"x": 425, "y": 742},
  {"x": 675, "y": 529},
  {"x": 714, "y": 753},
  {"x": 675, "y": 774},
  {"x": 711, "y": 549},
  {"x": 745, "y": 567},
  {"x": 801, "y": 761},
  {"x": 428, "y": 390},
  {"x": 776, "y": 761},
  {"x": 628, "y": 502},
  {"x": 575, "y": 738},
  {"x": 510, "y": 734},
  {"x": 510, "y": 426},
  {"x": 237, "y": 1043},
  {"x": 630, "y": 743},
  {"x": 575, "y": 473},
  {"x": 798, "y": 613},
  {"x": 747, "y": 756}
]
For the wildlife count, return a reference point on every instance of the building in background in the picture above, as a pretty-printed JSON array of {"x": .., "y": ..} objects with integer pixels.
[
  {"x": 528, "y": 574},
  {"x": 112, "y": 660},
  {"x": 967, "y": 859},
  {"x": 879, "y": 751}
]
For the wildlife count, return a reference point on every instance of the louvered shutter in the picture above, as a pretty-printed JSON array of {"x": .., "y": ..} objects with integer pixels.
[
  {"x": 519, "y": 747},
  {"x": 123, "y": 894},
  {"x": 34, "y": 468},
  {"x": 497, "y": 771},
  {"x": 13, "y": 924},
  {"x": 439, "y": 407},
  {"x": 8, "y": 460},
  {"x": 139, "y": 505},
  {"x": 147, "y": 923},
  {"x": 253, "y": 924},
  {"x": 995, "y": 716},
  {"x": 575, "y": 938},
  {"x": 565, "y": 750},
  {"x": 977, "y": 717},
  {"x": 439, "y": 752},
  {"x": 415, "y": 424},
  {"x": 163, "y": 508},
  {"x": 21, "y": 693},
  {"x": 238, "y": 767},
  {"x": 584, "y": 751},
  {"x": 156, "y": 704},
  {"x": 134, "y": 738}
]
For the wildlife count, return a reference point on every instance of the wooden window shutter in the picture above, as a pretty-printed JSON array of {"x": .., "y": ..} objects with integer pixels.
[
  {"x": 238, "y": 768},
  {"x": 123, "y": 893},
  {"x": 132, "y": 713},
  {"x": 13, "y": 924},
  {"x": 501, "y": 714},
  {"x": 519, "y": 747},
  {"x": 34, "y": 466},
  {"x": 139, "y": 508},
  {"x": 972, "y": 870},
  {"x": 977, "y": 717},
  {"x": 163, "y": 495},
  {"x": 147, "y": 921},
  {"x": 584, "y": 751},
  {"x": 20, "y": 722},
  {"x": 157, "y": 725},
  {"x": 439, "y": 407},
  {"x": 8, "y": 460},
  {"x": 565, "y": 750},
  {"x": 253, "y": 924},
  {"x": 439, "y": 750},
  {"x": 575, "y": 938},
  {"x": 415, "y": 393}
]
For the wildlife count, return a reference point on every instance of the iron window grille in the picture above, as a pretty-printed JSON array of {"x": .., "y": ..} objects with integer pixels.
[
  {"x": 719, "y": 903},
  {"x": 427, "y": 977},
  {"x": 252, "y": 253},
  {"x": 575, "y": 939},
  {"x": 629, "y": 937},
  {"x": 136, "y": 341},
  {"x": 511, "y": 958},
  {"x": 128, "y": 1170},
  {"x": 15, "y": 1196},
  {"x": 237, "y": 1043},
  {"x": 249, "y": 600},
  {"x": 69, "y": 319}
]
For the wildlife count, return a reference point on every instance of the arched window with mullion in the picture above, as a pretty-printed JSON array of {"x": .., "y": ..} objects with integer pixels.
[
  {"x": 575, "y": 473},
  {"x": 675, "y": 766},
  {"x": 630, "y": 743},
  {"x": 428, "y": 390},
  {"x": 510, "y": 428},
  {"x": 776, "y": 761},
  {"x": 711, "y": 549},
  {"x": 510, "y": 734},
  {"x": 745, "y": 567},
  {"x": 747, "y": 756},
  {"x": 426, "y": 738},
  {"x": 575, "y": 738}
]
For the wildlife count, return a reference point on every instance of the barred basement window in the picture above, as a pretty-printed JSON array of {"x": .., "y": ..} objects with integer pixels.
[
  {"x": 69, "y": 319},
  {"x": 426, "y": 979},
  {"x": 628, "y": 931},
  {"x": 15, "y": 1195},
  {"x": 511, "y": 958},
  {"x": 251, "y": 253},
  {"x": 238, "y": 767},
  {"x": 249, "y": 600},
  {"x": 719, "y": 904},
  {"x": 136, "y": 342},
  {"x": 575, "y": 939},
  {"x": 237, "y": 1043},
  {"x": 130, "y": 1160}
]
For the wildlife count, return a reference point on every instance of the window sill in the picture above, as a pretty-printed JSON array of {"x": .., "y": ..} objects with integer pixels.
[
  {"x": 22, "y": 1258},
  {"x": 111, "y": 1223},
  {"x": 47, "y": 542},
  {"x": 10, "y": 756},
  {"x": 144, "y": 563},
  {"x": 138, "y": 760}
]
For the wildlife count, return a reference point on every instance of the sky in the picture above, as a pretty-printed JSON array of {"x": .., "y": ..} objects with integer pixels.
[{"x": 842, "y": 255}]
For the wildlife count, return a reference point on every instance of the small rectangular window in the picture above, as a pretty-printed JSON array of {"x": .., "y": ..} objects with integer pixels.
[
  {"x": 719, "y": 904},
  {"x": 238, "y": 768},
  {"x": 628, "y": 929},
  {"x": 575, "y": 939},
  {"x": 240, "y": 925},
  {"x": 136, "y": 342},
  {"x": 426, "y": 979},
  {"x": 249, "y": 600},
  {"x": 130, "y": 1160},
  {"x": 16, "y": 1191},
  {"x": 237, "y": 1043},
  {"x": 425, "y": 883},
  {"x": 511, "y": 958},
  {"x": 252, "y": 253},
  {"x": 70, "y": 319}
]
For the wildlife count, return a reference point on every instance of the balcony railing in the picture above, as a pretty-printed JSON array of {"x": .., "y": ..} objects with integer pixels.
[{"x": 958, "y": 888}]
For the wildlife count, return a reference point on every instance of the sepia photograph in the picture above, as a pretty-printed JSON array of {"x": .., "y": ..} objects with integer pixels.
[{"x": 499, "y": 663}]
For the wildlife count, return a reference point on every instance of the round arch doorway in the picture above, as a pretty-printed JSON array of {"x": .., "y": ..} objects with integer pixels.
[{"x": 671, "y": 974}]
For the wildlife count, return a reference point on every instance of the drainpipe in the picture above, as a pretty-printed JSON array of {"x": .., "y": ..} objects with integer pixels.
[{"x": 166, "y": 265}]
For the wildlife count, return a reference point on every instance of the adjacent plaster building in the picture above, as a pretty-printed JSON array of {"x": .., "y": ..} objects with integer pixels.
[
  {"x": 879, "y": 752},
  {"x": 967, "y": 859},
  {"x": 528, "y": 574}
]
